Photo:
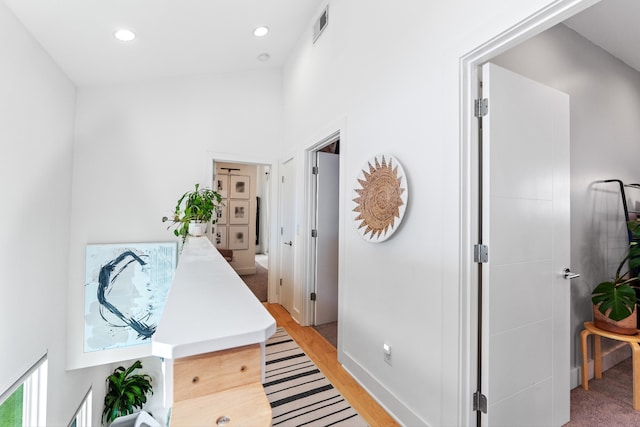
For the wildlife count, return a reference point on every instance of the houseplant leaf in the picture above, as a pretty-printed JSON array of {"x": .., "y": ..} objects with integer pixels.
[
  {"x": 621, "y": 299},
  {"x": 126, "y": 391},
  {"x": 198, "y": 205}
]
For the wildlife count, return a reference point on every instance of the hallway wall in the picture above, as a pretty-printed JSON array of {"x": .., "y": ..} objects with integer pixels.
[
  {"x": 388, "y": 77},
  {"x": 37, "y": 105}
]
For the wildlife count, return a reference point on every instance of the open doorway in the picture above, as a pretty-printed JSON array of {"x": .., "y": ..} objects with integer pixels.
[
  {"x": 601, "y": 115},
  {"x": 243, "y": 227},
  {"x": 325, "y": 161}
]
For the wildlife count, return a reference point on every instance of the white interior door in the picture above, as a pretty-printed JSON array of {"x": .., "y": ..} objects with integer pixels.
[
  {"x": 287, "y": 234},
  {"x": 525, "y": 210},
  {"x": 327, "y": 200}
]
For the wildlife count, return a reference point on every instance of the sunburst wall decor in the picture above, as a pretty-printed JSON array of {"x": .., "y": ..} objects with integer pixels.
[{"x": 380, "y": 197}]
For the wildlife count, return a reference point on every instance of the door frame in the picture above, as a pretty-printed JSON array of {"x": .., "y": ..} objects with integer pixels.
[
  {"x": 469, "y": 163},
  {"x": 310, "y": 219},
  {"x": 326, "y": 135},
  {"x": 274, "y": 255},
  {"x": 280, "y": 181},
  {"x": 311, "y": 257}
]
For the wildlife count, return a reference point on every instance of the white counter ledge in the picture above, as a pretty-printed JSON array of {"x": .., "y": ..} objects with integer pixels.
[{"x": 209, "y": 307}]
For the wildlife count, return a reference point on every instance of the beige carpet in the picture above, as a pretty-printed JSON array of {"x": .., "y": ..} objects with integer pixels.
[
  {"x": 258, "y": 283},
  {"x": 608, "y": 402}
]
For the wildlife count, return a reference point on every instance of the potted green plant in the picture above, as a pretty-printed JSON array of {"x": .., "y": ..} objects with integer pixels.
[
  {"x": 125, "y": 392},
  {"x": 615, "y": 301},
  {"x": 193, "y": 212}
]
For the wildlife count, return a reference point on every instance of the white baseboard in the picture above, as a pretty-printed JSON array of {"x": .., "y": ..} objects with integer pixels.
[
  {"x": 611, "y": 356},
  {"x": 397, "y": 409}
]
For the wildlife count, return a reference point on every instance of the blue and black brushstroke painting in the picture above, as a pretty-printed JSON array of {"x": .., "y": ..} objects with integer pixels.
[{"x": 107, "y": 278}]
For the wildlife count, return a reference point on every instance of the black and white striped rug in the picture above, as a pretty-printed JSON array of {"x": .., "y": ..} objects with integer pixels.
[{"x": 300, "y": 395}]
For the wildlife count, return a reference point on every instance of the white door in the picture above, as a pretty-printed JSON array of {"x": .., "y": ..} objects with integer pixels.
[
  {"x": 287, "y": 233},
  {"x": 525, "y": 210},
  {"x": 327, "y": 200}
]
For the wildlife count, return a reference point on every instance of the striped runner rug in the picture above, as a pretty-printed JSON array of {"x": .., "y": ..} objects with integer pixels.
[{"x": 300, "y": 395}]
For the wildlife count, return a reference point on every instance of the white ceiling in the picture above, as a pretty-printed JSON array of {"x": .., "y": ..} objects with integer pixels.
[
  {"x": 188, "y": 37},
  {"x": 613, "y": 25},
  {"x": 175, "y": 37}
]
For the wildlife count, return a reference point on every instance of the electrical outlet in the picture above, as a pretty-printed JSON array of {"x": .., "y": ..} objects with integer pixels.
[{"x": 387, "y": 353}]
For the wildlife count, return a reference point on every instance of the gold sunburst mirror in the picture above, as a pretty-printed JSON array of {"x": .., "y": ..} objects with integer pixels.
[{"x": 380, "y": 195}]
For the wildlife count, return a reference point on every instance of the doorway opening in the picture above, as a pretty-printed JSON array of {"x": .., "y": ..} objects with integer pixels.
[
  {"x": 324, "y": 248},
  {"x": 520, "y": 34},
  {"x": 245, "y": 222}
]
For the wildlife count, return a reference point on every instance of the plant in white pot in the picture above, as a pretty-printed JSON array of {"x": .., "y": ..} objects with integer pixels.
[
  {"x": 126, "y": 392},
  {"x": 615, "y": 301},
  {"x": 194, "y": 211}
]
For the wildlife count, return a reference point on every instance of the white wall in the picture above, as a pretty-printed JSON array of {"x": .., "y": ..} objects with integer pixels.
[
  {"x": 391, "y": 73},
  {"x": 140, "y": 146},
  {"x": 605, "y": 130},
  {"x": 37, "y": 104}
]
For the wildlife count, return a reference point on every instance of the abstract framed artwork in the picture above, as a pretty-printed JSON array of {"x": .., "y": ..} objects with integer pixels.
[
  {"x": 221, "y": 214},
  {"x": 220, "y": 236},
  {"x": 125, "y": 290},
  {"x": 380, "y": 195},
  {"x": 239, "y": 187},
  {"x": 238, "y": 212},
  {"x": 239, "y": 237},
  {"x": 222, "y": 185}
]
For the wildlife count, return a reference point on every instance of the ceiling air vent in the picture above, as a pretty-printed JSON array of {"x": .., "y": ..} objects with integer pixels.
[{"x": 321, "y": 23}]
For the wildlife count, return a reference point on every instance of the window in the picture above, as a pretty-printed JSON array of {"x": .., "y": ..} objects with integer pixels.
[
  {"x": 25, "y": 403},
  {"x": 82, "y": 418}
]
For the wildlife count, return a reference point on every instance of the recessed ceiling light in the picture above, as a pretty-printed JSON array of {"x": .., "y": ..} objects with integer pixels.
[
  {"x": 261, "y": 31},
  {"x": 124, "y": 35},
  {"x": 264, "y": 57}
]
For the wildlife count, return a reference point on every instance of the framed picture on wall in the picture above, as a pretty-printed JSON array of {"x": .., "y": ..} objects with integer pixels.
[
  {"x": 239, "y": 237},
  {"x": 220, "y": 236},
  {"x": 221, "y": 214},
  {"x": 222, "y": 185},
  {"x": 239, "y": 187},
  {"x": 238, "y": 212},
  {"x": 125, "y": 290}
]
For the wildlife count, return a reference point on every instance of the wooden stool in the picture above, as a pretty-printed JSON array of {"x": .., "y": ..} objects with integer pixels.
[{"x": 633, "y": 340}]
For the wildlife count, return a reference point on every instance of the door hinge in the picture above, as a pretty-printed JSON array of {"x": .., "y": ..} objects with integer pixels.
[
  {"x": 481, "y": 107},
  {"x": 480, "y": 253},
  {"x": 313, "y": 296},
  {"x": 314, "y": 170},
  {"x": 314, "y": 233},
  {"x": 281, "y": 231},
  {"x": 283, "y": 179},
  {"x": 479, "y": 402},
  {"x": 281, "y": 281}
]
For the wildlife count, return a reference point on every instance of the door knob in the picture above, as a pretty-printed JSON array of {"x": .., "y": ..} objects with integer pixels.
[
  {"x": 569, "y": 275},
  {"x": 290, "y": 243}
]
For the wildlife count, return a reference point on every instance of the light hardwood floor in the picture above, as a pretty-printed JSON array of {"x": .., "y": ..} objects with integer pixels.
[{"x": 325, "y": 357}]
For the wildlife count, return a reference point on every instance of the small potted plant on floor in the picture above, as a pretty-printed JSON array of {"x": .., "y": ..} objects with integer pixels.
[
  {"x": 614, "y": 301},
  {"x": 125, "y": 392},
  {"x": 193, "y": 212}
]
